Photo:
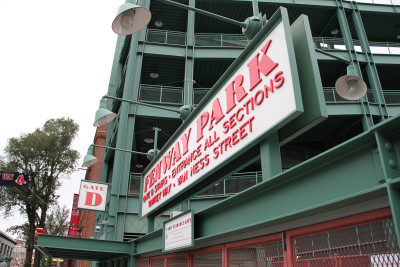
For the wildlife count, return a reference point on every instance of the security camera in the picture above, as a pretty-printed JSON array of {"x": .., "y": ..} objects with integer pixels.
[{"x": 97, "y": 229}]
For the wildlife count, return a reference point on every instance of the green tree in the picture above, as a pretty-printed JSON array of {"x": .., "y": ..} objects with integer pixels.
[
  {"x": 57, "y": 222},
  {"x": 46, "y": 156}
]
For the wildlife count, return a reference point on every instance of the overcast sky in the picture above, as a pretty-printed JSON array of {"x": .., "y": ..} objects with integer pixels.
[{"x": 55, "y": 61}]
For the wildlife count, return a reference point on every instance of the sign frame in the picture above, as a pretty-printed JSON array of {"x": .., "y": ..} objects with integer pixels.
[
  {"x": 280, "y": 17},
  {"x": 108, "y": 186},
  {"x": 172, "y": 220}
]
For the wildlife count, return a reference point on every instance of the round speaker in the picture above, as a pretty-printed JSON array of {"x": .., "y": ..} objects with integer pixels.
[{"x": 351, "y": 87}]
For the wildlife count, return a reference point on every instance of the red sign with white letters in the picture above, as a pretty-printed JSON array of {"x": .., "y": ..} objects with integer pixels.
[
  {"x": 74, "y": 223},
  {"x": 261, "y": 96}
]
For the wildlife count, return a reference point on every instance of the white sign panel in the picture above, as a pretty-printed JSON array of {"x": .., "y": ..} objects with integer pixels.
[
  {"x": 256, "y": 99},
  {"x": 92, "y": 196},
  {"x": 178, "y": 232}
]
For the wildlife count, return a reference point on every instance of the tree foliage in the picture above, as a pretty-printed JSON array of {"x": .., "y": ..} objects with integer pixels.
[
  {"x": 57, "y": 222},
  {"x": 46, "y": 156}
]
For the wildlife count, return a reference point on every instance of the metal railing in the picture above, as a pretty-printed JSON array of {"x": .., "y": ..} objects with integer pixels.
[
  {"x": 161, "y": 94},
  {"x": 230, "y": 186},
  {"x": 330, "y": 43},
  {"x": 380, "y": 2},
  {"x": 201, "y": 39},
  {"x": 392, "y": 97},
  {"x": 222, "y": 40},
  {"x": 166, "y": 37},
  {"x": 199, "y": 94}
]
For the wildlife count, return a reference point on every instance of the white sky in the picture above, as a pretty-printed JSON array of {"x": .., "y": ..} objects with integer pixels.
[{"x": 55, "y": 61}]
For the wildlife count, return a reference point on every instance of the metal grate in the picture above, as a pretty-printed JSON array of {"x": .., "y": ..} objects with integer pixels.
[
  {"x": 157, "y": 263},
  {"x": 143, "y": 263},
  {"x": 213, "y": 259},
  {"x": 372, "y": 244},
  {"x": 178, "y": 262},
  {"x": 270, "y": 254}
]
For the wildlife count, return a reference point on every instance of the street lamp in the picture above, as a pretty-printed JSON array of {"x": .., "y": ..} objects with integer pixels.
[
  {"x": 90, "y": 160},
  {"x": 349, "y": 86},
  {"x": 104, "y": 115},
  {"x": 130, "y": 18}
]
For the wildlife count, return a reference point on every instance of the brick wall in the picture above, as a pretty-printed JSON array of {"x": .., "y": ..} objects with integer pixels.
[{"x": 93, "y": 173}]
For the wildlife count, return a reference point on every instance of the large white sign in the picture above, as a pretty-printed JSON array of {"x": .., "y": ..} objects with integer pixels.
[
  {"x": 92, "y": 196},
  {"x": 178, "y": 232},
  {"x": 256, "y": 99}
]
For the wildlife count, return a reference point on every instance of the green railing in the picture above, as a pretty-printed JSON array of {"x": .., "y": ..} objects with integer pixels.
[
  {"x": 232, "y": 185},
  {"x": 201, "y": 39},
  {"x": 330, "y": 43},
  {"x": 229, "y": 186},
  {"x": 392, "y": 97},
  {"x": 166, "y": 37},
  {"x": 223, "y": 40},
  {"x": 161, "y": 94},
  {"x": 199, "y": 94},
  {"x": 380, "y": 2}
]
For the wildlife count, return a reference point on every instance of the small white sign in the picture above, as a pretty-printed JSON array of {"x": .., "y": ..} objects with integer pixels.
[
  {"x": 178, "y": 232},
  {"x": 92, "y": 196}
]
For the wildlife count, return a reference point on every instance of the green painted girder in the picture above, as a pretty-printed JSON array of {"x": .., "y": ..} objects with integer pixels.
[
  {"x": 82, "y": 248},
  {"x": 351, "y": 177},
  {"x": 368, "y": 7},
  {"x": 229, "y": 53}
]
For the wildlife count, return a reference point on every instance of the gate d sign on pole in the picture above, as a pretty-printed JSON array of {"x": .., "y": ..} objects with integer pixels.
[{"x": 92, "y": 196}]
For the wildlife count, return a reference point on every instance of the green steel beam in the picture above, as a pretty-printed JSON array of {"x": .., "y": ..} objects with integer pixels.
[
  {"x": 349, "y": 174},
  {"x": 82, "y": 248}
]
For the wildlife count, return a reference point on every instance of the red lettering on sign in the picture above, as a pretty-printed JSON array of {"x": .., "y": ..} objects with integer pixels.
[
  {"x": 235, "y": 88},
  {"x": 7, "y": 176},
  {"x": 93, "y": 199},
  {"x": 266, "y": 65}
]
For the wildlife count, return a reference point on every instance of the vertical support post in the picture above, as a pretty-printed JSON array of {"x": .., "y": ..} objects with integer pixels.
[
  {"x": 255, "y": 8},
  {"x": 156, "y": 129},
  {"x": 189, "y": 64},
  {"x": 184, "y": 206},
  {"x": 132, "y": 261},
  {"x": 394, "y": 200},
  {"x": 344, "y": 28},
  {"x": 270, "y": 157},
  {"x": 372, "y": 72},
  {"x": 150, "y": 224}
]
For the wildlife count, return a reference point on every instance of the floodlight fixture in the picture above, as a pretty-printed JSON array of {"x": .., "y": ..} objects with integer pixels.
[
  {"x": 350, "y": 86},
  {"x": 130, "y": 18}
]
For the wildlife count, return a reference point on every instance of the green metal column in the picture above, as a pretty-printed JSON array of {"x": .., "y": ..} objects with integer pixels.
[
  {"x": 271, "y": 164},
  {"x": 370, "y": 67},
  {"x": 132, "y": 261},
  {"x": 189, "y": 64},
  {"x": 125, "y": 135},
  {"x": 346, "y": 33},
  {"x": 388, "y": 146},
  {"x": 150, "y": 223}
]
